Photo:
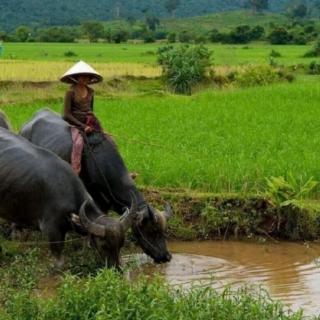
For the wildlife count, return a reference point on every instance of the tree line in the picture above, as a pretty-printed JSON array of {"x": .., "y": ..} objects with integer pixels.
[
  {"x": 295, "y": 31},
  {"x": 46, "y": 13}
]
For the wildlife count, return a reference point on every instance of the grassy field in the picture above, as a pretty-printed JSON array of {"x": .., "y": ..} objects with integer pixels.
[
  {"x": 224, "y": 141},
  {"x": 220, "y": 141},
  {"x": 144, "y": 54}
]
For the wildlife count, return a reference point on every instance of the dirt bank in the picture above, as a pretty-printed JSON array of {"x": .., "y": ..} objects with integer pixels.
[{"x": 223, "y": 216}]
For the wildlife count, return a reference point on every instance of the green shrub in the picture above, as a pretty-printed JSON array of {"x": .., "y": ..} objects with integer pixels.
[
  {"x": 70, "y": 54},
  {"x": 185, "y": 37},
  {"x": 261, "y": 75},
  {"x": 314, "y": 52},
  {"x": 172, "y": 37},
  {"x": 215, "y": 36},
  {"x": 275, "y": 54},
  {"x": 257, "y": 32},
  {"x": 160, "y": 35},
  {"x": 241, "y": 34},
  {"x": 280, "y": 36},
  {"x": 184, "y": 66},
  {"x": 149, "y": 38},
  {"x": 314, "y": 68}
]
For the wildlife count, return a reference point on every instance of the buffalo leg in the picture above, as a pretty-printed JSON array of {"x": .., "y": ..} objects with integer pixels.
[
  {"x": 56, "y": 239},
  {"x": 113, "y": 260}
]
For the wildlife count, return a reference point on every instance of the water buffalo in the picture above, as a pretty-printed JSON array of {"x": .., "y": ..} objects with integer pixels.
[
  {"x": 105, "y": 177},
  {"x": 3, "y": 121},
  {"x": 40, "y": 190}
]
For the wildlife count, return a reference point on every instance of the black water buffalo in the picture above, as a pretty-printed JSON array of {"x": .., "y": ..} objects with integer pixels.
[
  {"x": 105, "y": 177},
  {"x": 3, "y": 121},
  {"x": 38, "y": 189}
]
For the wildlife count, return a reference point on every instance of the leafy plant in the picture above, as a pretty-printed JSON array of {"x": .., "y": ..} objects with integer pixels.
[
  {"x": 314, "y": 52},
  {"x": 184, "y": 66},
  {"x": 314, "y": 68},
  {"x": 284, "y": 192},
  {"x": 275, "y": 54}
]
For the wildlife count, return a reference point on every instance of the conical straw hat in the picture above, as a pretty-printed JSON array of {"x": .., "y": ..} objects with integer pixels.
[{"x": 81, "y": 68}]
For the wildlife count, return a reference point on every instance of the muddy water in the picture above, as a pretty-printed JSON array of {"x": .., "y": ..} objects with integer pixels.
[{"x": 290, "y": 271}]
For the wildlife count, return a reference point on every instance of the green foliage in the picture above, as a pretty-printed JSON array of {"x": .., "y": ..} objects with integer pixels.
[
  {"x": 280, "y": 35},
  {"x": 22, "y": 33},
  {"x": 314, "y": 68},
  {"x": 298, "y": 10},
  {"x": 94, "y": 30},
  {"x": 152, "y": 23},
  {"x": 284, "y": 192},
  {"x": 109, "y": 296},
  {"x": 314, "y": 52},
  {"x": 184, "y": 66},
  {"x": 275, "y": 54},
  {"x": 57, "y": 34},
  {"x": 241, "y": 34},
  {"x": 70, "y": 53},
  {"x": 171, "y": 5},
  {"x": 258, "y": 5},
  {"x": 185, "y": 36},
  {"x": 260, "y": 75},
  {"x": 119, "y": 35},
  {"x": 172, "y": 37}
]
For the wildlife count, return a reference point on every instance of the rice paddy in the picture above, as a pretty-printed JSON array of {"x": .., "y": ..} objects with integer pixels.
[
  {"x": 258, "y": 53},
  {"x": 217, "y": 140},
  {"x": 221, "y": 141}
]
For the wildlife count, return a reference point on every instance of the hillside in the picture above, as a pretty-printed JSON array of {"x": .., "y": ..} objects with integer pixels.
[
  {"x": 223, "y": 21},
  {"x": 35, "y": 13}
]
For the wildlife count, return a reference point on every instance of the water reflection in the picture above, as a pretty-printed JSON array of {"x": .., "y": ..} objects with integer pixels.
[{"x": 289, "y": 271}]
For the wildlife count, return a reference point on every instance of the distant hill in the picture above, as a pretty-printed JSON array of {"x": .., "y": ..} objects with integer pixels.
[
  {"x": 36, "y": 13},
  {"x": 223, "y": 21}
]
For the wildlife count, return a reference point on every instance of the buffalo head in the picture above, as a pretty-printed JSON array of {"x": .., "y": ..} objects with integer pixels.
[
  {"x": 149, "y": 230},
  {"x": 108, "y": 234}
]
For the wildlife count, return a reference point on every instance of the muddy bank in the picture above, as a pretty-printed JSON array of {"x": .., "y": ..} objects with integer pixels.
[
  {"x": 207, "y": 216},
  {"x": 213, "y": 216}
]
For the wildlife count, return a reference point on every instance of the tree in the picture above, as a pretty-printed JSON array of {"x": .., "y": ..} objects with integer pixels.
[
  {"x": 152, "y": 23},
  {"x": 280, "y": 36},
  {"x": 119, "y": 35},
  {"x": 258, "y": 5},
  {"x": 22, "y": 33},
  {"x": 93, "y": 30},
  {"x": 171, "y": 5},
  {"x": 241, "y": 34},
  {"x": 57, "y": 34},
  {"x": 3, "y": 36},
  {"x": 300, "y": 11},
  {"x": 257, "y": 32}
]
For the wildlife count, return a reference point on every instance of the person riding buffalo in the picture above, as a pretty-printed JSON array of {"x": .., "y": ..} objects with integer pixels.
[{"x": 78, "y": 101}]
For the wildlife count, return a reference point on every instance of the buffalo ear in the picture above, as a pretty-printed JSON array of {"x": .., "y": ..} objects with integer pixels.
[{"x": 76, "y": 220}]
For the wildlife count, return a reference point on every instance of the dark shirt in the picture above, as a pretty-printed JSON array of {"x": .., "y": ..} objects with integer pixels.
[{"x": 77, "y": 108}]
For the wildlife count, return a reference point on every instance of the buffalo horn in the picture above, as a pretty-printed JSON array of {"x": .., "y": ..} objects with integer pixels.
[
  {"x": 92, "y": 227},
  {"x": 128, "y": 216}
]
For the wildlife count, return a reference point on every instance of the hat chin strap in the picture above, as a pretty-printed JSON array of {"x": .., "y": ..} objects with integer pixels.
[{"x": 73, "y": 79}]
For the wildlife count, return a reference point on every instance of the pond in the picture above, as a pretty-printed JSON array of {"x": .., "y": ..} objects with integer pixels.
[{"x": 289, "y": 271}]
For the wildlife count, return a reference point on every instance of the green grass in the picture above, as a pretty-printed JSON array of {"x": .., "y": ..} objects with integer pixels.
[
  {"x": 109, "y": 296},
  {"x": 220, "y": 141},
  {"x": 146, "y": 53}
]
